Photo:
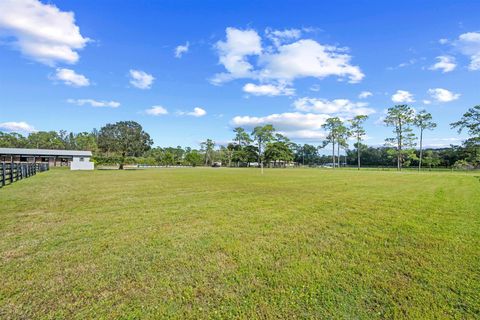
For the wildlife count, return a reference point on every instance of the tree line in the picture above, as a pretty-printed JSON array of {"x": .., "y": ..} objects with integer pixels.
[{"x": 126, "y": 142}]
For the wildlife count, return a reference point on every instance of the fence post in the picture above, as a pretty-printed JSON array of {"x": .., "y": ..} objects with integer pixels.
[
  {"x": 11, "y": 172},
  {"x": 3, "y": 174}
]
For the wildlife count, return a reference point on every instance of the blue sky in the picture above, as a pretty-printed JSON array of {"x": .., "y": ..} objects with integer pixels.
[{"x": 191, "y": 70}]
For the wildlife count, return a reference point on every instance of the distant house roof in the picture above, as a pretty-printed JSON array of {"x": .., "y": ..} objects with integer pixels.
[{"x": 44, "y": 152}]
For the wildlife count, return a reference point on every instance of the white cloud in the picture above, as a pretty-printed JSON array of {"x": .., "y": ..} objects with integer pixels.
[
  {"x": 283, "y": 121},
  {"x": 17, "y": 127},
  {"x": 95, "y": 103},
  {"x": 141, "y": 79},
  {"x": 233, "y": 54},
  {"x": 284, "y": 63},
  {"x": 408, "y": 63},
  {"x": 156, "y": 111},
  {"x": 441, "y": 142},
  {"x": 337, "y": 106},
  {"x": 268, "y": 90},
  {"x": 443, "y": 41},
  {"x": 443, "y": 95},
  {"x": 42, "y": 32},
  {"x": 402, "y": 96},
  {"x": 279, "y": 37},
  {"x": 365, "y": 94},
  {"x": 469, "y": 44},
  {"x": 294, "y": 125},
  {"x": 308, "y": 58},
  {"x": 181, "y": 49},
  {"x": 427, "y": 102},
  {"x": 197, "y": 112},
  {"x": 71, "y": 78},
  {"x": 445, "y": 64}
]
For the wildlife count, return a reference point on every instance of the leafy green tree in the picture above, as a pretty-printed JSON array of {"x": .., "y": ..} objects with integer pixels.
[
  {"x": 262, "y": 136},
  {"x": 251, "y": 153},
  {"x": 401, "y": 117},
  {"x": 334, "y": 127},
  {"x": 45, "y": 140},
  {"x": 431, "y": 159},
  {"x": 12, "y": 140},
  {"x": 241, "y": 137},
  {"x": 462, "y": 165},
  {"x": 84, "y": 141},
  {"x": 194, "y": 158},
  {"x": 278, "y": 151},
  {"x": 358, "y": 131},
  {"x": 342, "y": 140},
  {"x": 470, "y": 122},
  {"x": 208, "y": 148},
  {"x": 125, "y": 138},
  {"x": 168, "y": 158},
  {"x": 228, "y": 153},
  {"x": 307, "y": 154},
  {"x": 423, "y": 121}
]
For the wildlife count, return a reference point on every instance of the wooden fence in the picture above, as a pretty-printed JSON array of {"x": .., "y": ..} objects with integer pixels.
[{"x": 11, "y": 172}]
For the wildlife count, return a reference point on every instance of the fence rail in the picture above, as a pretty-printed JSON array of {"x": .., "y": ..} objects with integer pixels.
[{"x": 11, "y": 172}]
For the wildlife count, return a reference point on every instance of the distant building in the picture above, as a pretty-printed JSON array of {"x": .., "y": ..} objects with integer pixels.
[{"x": 75, "y": 159}]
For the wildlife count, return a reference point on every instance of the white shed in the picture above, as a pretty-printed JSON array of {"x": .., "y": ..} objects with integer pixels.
[{"x": 81, "y": 163}]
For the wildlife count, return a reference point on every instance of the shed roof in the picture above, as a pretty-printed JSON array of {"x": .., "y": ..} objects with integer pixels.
[{"x": 44, "y": 152}]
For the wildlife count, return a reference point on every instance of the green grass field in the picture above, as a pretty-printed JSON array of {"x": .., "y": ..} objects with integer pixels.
[{"x": 231, "y": 243}]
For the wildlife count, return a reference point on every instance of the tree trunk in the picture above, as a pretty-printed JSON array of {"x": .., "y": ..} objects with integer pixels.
[
  {"x": 338, "y": 154},
  {"x": 358, "y": 152},
  {"x": 399, "y": 137},
  {"x": 333, "y": 153},
  {"x": 122, "y": 160},
  {"x": 421, "y": 150}
]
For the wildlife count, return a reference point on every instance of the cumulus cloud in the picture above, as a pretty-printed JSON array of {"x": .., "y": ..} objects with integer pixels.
[
  {"x": 197, "y": 112},
  {"x": 16, "y": 127},
  {"x": 402, "y": 96},
  {"x": 445, "y": 64},
  {"x": 365, "y": 94},
  {"x": 295, "y": 125},
  {"x": 141, "y": 79},
  {"x": 94, "y": 103},
  {"x": 233, "y": 54},
  {"x": 71, "y": 78},
  {"x": 342, "y": 107},
  {"x": 443, "y": 95},
  {"x": 469, "y": 45},
  {"x": 268, "y": 90},
  {"x": 280, "y": 36},
  {"x": 283, "y": 121},
  {"x": 284, "y": 63},
  {"x": 41, "y": 32},
  {"x": 181, "y": 49},
  {"x": 308, "y": 58},
  {"x": 156, "y": 111},
  {"x": 306, "y": 122}
]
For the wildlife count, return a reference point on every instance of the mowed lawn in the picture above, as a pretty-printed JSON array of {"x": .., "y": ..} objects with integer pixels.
[{"x": 230, "y": 243}]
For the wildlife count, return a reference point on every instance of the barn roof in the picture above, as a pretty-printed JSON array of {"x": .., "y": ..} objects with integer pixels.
[{"x": 44, "y": 152}]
